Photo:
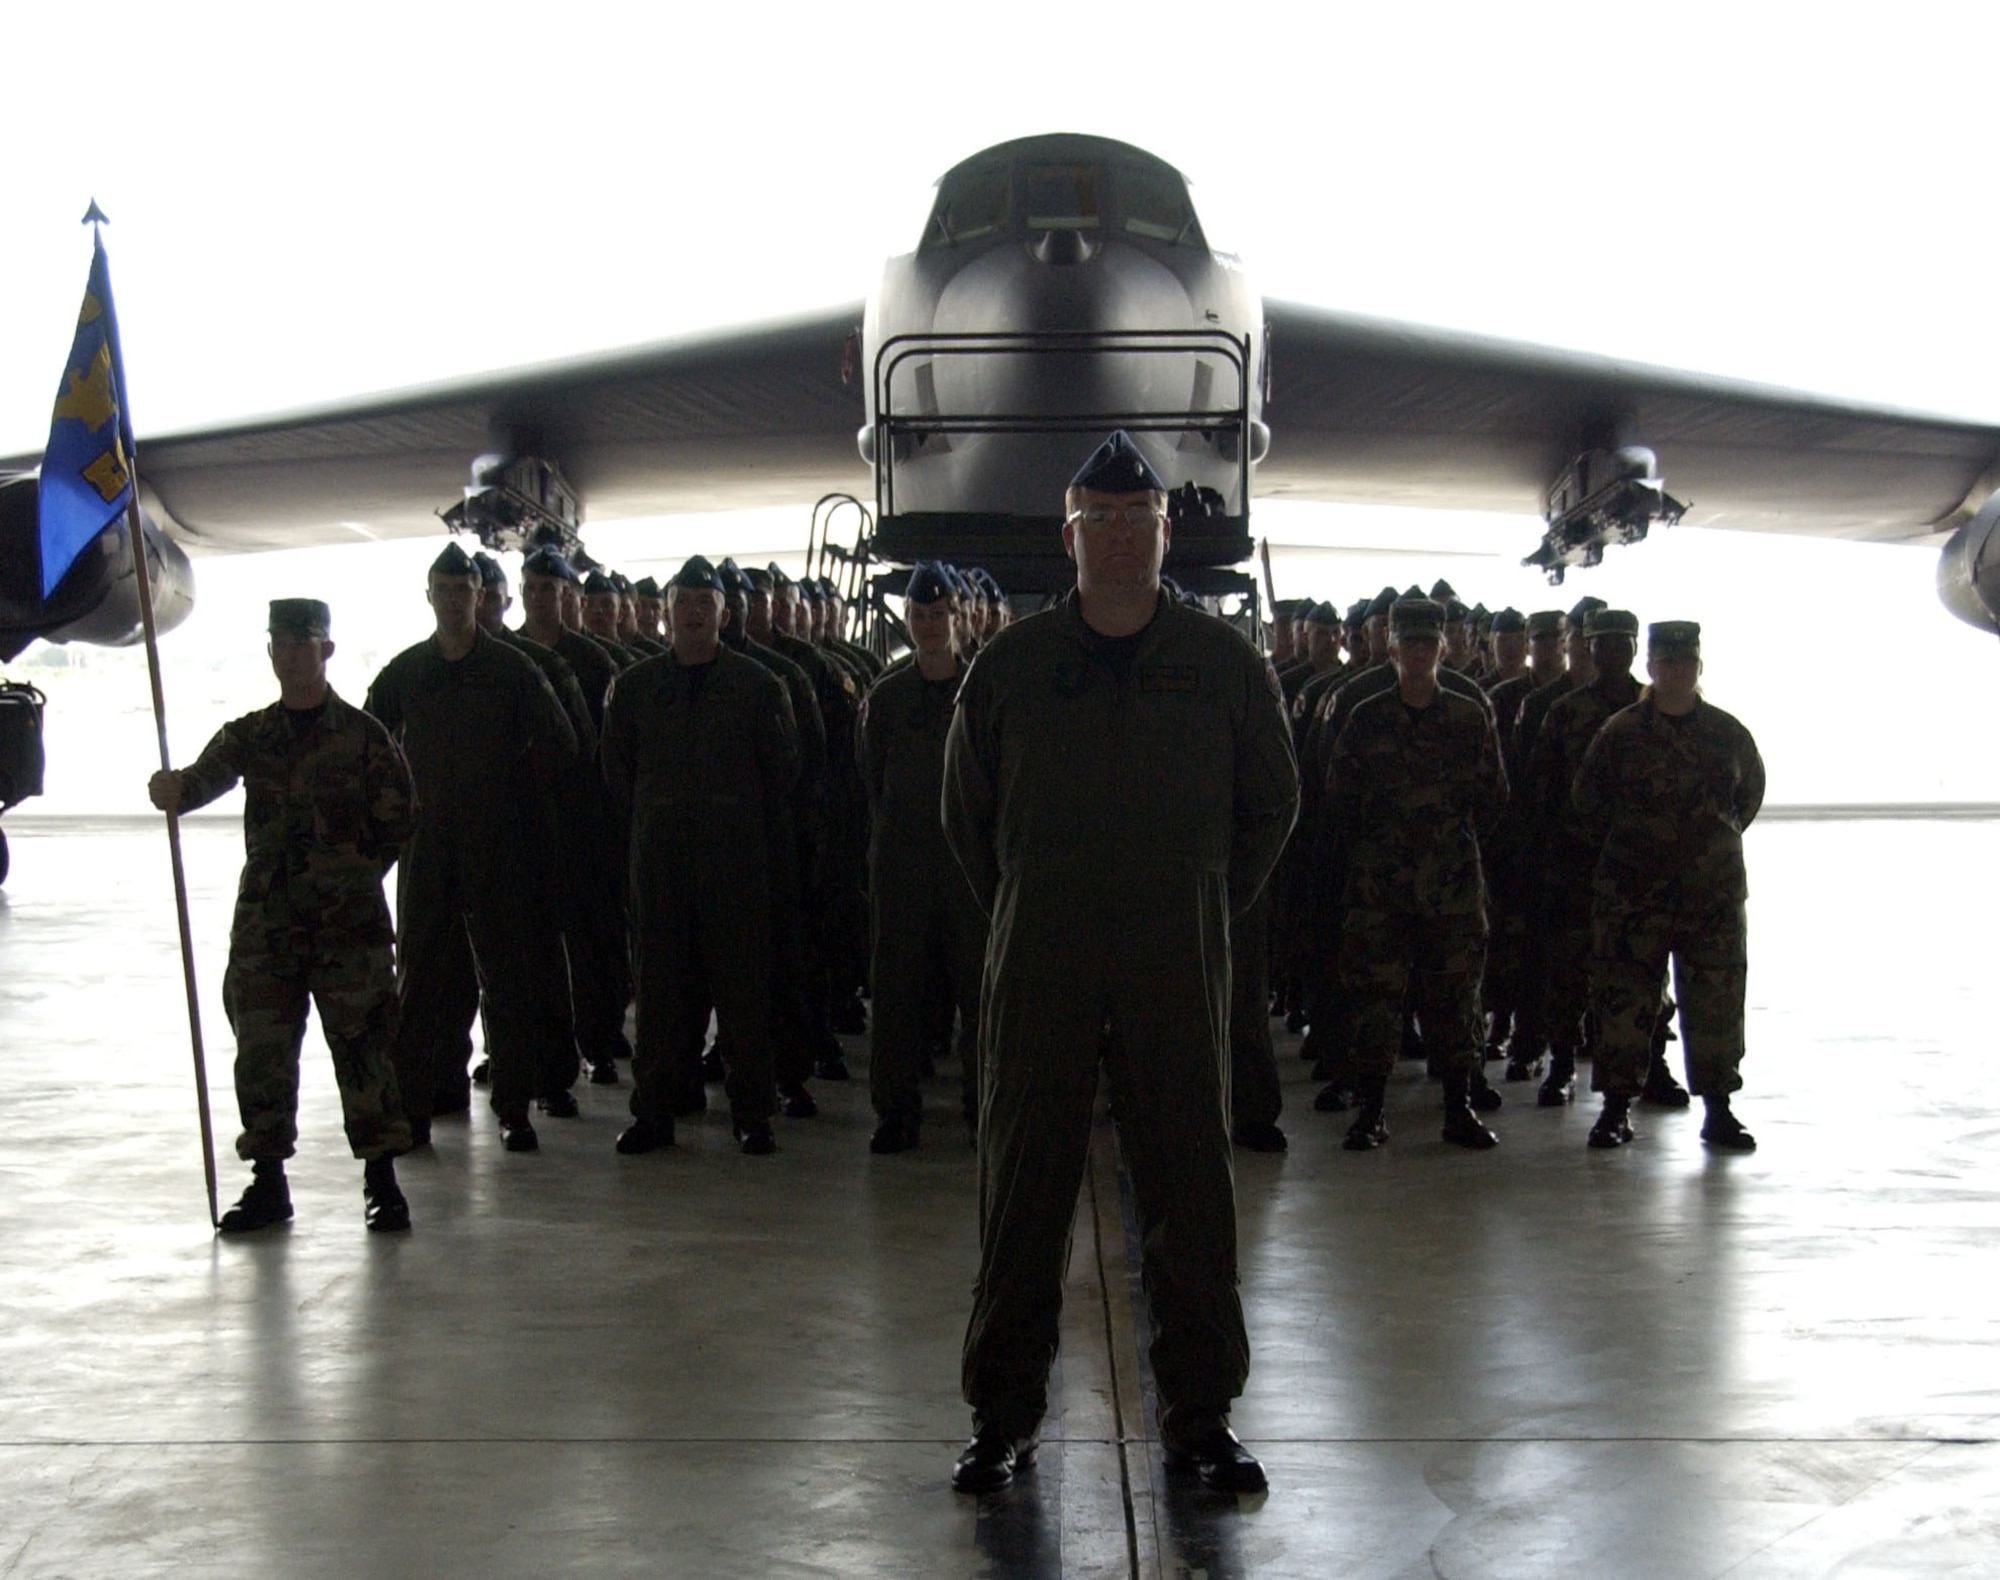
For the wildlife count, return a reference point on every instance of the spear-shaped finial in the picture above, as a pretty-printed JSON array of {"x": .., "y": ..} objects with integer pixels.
[{"x": 96, "y": 216}]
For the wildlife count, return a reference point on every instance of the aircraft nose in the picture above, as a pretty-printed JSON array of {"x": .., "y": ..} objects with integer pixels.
[{"x": 1063, "y": 247}]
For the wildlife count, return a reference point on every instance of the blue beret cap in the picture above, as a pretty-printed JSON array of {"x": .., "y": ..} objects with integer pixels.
[
  {"x": 730, "y": 574},
  {"x": 926, "y": 585},
  {"x": 778, "y": 576},
  {"x": 597, "y": 582},
  {"x": 697, "y": 573},
  {"x": 454, "y": 561},
  {"x": 1117, "y": 467},
  {"x": 548, "y": 561},
  {"x": 489, "y": 569}
]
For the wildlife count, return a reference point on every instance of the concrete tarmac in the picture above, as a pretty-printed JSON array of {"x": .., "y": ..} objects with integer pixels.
[{"x": 1535, "y": 1362}]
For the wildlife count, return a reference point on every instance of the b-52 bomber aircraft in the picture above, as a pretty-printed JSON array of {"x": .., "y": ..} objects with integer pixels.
[{"x": 1061, "y": 285}]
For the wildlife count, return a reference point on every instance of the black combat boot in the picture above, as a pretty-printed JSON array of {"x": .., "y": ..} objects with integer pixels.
[
  {"x": 1559, "y": 1085},
  {"x": 1369, "y": 1129},
  {"x": 384, "y": 1208},
  {"x": 1614, "y": 1124},
  {"x": 267, "y": 1201},
  {"x": 1661, "y": 1089},
  {"x": 1461, "y": 1125},
  {"x": 1482, "y": 1094},
  {"x": 1722, "y": 1129}
]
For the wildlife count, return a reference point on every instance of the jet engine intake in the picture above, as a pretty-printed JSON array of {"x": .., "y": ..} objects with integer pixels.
[
  {"x": 1968, "y": 573},
  {"x": 97, "y": 601}
]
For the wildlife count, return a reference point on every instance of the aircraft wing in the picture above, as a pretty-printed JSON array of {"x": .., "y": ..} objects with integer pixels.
[
  {"x": 725, "y": 421},
  {"x": 1370, "y": 411}
]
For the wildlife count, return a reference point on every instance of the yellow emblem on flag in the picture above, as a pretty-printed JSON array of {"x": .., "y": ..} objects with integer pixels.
[
  {"x": 86, "y": 396},
  {"x": 107, "y": 475}
]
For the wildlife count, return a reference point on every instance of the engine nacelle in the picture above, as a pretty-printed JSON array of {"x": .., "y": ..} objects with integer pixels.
[
  {"x": 97, "y": 601},
  {"x": 1968, "y": 573}
]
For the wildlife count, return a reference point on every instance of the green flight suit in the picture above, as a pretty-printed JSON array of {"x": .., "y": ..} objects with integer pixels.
[
  {"x": 327, "y": 807},
  {"x": 928, "y": 929},
  {"x": 487, "y": 744},
  {"x": 1114, "y": 804},
  {"x": 1663, "y": 803},
  {"x": 702, "y": 762}
]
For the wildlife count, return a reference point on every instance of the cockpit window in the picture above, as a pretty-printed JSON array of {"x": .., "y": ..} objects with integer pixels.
[
  {"x": 1060, "y": 197},
  {"x": 1155, "y": 205},
  {"x": 975, "y": 205},
  {"x": 1142, "y": 200}
]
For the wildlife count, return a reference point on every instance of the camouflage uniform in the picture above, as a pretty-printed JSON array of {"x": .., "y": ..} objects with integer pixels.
[
  {"x": 1116, "y": 805},
  {"x": 327, "y": 808},
  {"x": 1411, "y": 793},
  {"x": 1566, "y": 733},
  {"x": 1663, "y": 802}
]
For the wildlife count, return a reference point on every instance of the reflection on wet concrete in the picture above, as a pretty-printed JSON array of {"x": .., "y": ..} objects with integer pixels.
[{"x": 1538, "y": 1362}]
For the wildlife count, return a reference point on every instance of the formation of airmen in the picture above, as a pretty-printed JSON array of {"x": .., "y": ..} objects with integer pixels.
[
  {"x": 1485, "y": 869},
  {"x": 1114, "y": 836}
]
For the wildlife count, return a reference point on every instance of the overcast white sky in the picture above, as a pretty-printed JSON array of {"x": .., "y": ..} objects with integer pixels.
[{"x": 314, "y": 205}]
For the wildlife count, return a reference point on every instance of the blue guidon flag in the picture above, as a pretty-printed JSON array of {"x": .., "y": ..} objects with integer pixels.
[{"x": 87, "y": 468}]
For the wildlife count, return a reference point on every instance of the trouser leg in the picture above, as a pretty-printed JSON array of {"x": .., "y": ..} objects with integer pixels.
[
  {"x": 732, "y": 940},
  {"x": 1628, "y": 960},
  {"x": 458, "y": 1009},
  {"x": 1711, "y": 973},
  {"x": 1170, "y": 1093},
  {"x": 354, "y": 989},
  {"x": 908, "y": 963},
  {"x": 264, "y": 996},
  {"x": 965, "y": 948},
  {"x": 1256, "y": 1096},
  {"x": 1038, "y": 1079},
  {"x": 670, "y": 992},
  {"x": 522, "y": 973},
  {"x": 1374, "y": 970},
  {"x": 1446, "y": 983},
  {"x": 429, "y": 928}
]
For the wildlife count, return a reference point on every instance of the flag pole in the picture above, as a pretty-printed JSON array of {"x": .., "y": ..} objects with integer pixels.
[
  {"x": 145, "y": 588},
  {"x": 174, "y": 844}
]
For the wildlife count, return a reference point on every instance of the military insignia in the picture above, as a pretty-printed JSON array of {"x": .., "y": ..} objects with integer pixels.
[{"x": 1170, "y": 677}]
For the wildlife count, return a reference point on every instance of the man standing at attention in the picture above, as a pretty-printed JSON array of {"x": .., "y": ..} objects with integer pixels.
[
  {"x": 1119, "y": 781},
  {"x": 326, "y": 811}
]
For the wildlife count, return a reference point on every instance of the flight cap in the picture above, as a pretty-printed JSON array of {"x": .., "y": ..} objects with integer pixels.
[
  {"x": 926, "y": 586},
  {"x": 698, "y": 574},
  {"x": 490, "y": 570},
  {"x": 734, "y": 582},
  {"x": 1455, "y": 610},
  {"x": 1357, "y": 612},
  {"x": 1117, "y": 467},
  {"x": 621, "y": 584},
  {"x": 1418, "y": 616},
  {"x": 1512, "y": 620},
  {"x": 646, "y": 587},
  {"x": 1579, "y": 617},
  {"x": 1664, "y": 638},
  {"x": 809, "y": 590},
  {"x": 1545, "y": 622},
  {"x": 548, "y": 561},
  {"x": 454, "y": 561},
  {"x": 1442, "y": 591},
  {"x": 760, "y": 580},
  {"x": 1382, "y": 602},
  {"x": 779, "y": 580},
  {"x": 300, "y": 617},
  {"x": 1323, "y": 614},
  {"x": 597, "y": 583}
]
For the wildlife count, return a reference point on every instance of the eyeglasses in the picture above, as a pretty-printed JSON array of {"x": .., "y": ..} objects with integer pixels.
[{"x": 1135, "y": 515}]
